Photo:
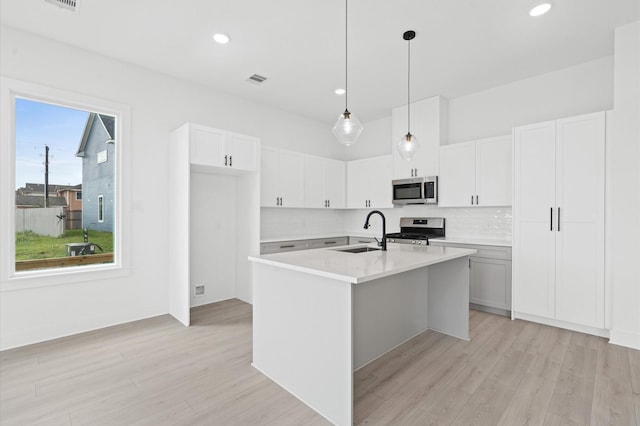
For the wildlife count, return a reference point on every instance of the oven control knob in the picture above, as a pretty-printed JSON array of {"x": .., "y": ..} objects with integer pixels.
[{"x": 413, "y": 242}]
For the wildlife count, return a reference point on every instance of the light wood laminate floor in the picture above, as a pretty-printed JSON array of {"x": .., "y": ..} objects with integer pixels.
[{"x": 158, "y": 372}]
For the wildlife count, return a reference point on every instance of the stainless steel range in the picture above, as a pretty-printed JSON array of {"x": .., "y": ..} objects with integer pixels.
[{"x": 418, "y": 230}]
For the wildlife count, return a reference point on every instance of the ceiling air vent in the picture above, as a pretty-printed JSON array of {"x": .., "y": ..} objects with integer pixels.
[
  {"x": 71, "y": 5},
  {"x": 256, "y": 79}
]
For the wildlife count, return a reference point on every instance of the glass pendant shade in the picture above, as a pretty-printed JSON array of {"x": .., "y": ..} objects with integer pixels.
[
  {"x": 347, "y": 129},
  {"x": 408, "y": 146}
]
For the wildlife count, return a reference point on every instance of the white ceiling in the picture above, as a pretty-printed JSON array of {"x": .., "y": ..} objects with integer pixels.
[{"x": 461, "y": 47}]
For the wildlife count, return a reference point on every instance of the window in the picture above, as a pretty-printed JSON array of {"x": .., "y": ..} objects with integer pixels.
[
  {"x": 50, "y": 148},
  {"x": 100, "y": 208}
]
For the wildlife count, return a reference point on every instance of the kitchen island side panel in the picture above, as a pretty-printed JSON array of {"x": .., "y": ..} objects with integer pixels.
[
  {"x": 387, "y": 312},
  {"x": 448, "y": 300},
  {"x": 302, "y": 338}
]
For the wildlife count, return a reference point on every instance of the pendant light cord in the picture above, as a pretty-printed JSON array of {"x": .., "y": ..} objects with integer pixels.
[
  {"x": 346, "y": 53},
  {"x": 409, "y": 87}
]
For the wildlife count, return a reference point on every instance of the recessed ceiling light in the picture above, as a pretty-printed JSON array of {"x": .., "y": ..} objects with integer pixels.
[
  {"x": 221, "y": 38},
  {"x": 340, "y": 91},
  {"x": 540, "y": 9}
]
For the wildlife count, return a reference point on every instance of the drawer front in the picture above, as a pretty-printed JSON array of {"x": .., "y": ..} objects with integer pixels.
[
  {"x": 327, "y": 242},
  {"x": 361, "y": 240},
  {"x": 282, "y": 246},
  {"x": 489, "y": 252}
]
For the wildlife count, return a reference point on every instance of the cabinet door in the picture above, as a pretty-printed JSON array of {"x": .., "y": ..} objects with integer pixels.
[
  {"x": 243, "y": 152},
  {"x": 401, "y": 168},
  {"x": 426, "y": 125},
  {"x": 357, "y": 184},
  {"x": 493, "y": 171},
  {"x": 580, "y": 153},
  {"x": 379, "y": 182},
  {"x": 291, "y": 178},
  {"x": 457, "y": 175},
  {"x": 314, "y": 182},
  {"x": 533, "y": 230},
  {"x": 490, "y": 283},
  {"x": 269, "y": 175},
  {"x": 207, "y": 146},
  {"x": 335, "y": 183}
]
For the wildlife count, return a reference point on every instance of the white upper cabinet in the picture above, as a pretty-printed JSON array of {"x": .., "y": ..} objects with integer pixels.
[
  {"x": 369, "y": 183},
  {"x": 476, "y": 173},
  {"x": 558, "y": 220},
  {"x": 324, "y": 182},
  {"x": 282, "y": 178},
  {"x": 243, "y": 151},
  {"x": 335, "y": 187},
  {"x": 429, "y": 126},
  {"x": 457, "y": 175},
  {"x": 219, "y": 148}
]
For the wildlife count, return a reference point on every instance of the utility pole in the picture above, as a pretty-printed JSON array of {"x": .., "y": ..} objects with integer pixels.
[{"x": 46, "y": 176}]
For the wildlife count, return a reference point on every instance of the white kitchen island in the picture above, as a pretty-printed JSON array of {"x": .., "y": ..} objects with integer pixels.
[{"x": 319, "y": 315}]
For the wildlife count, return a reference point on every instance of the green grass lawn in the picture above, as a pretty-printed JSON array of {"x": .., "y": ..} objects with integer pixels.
[{"x": 34, "y": 246}]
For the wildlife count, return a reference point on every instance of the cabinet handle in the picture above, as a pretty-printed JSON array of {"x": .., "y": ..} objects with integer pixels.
[
  {"x": 477, "y": 200},
  {"x": 330, "y": 242},
  {"x": 287, "y": 246},
  {"x": 280, "y": 200},
  {"x": 328, "y": 203},
  {"x": 231, "y": 161},
  {"x": 225, "y": 160},
  {"x": 415, "y": 172},
  {"x": 550, "y": 218},
  {"x": 469, "y": 263},
  {"x": 558, "y": 219},
  {"x": 472, "y": 200}
]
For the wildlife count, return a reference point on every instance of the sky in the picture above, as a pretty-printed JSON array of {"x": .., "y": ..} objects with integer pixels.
[{"x": 39, "y": 124}]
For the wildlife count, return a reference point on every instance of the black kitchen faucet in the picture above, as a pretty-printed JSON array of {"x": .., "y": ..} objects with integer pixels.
[{"x": 382, "y": 243}]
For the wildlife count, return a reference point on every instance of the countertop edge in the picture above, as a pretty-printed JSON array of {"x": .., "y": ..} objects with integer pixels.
[{"x": 462, "y": 252}]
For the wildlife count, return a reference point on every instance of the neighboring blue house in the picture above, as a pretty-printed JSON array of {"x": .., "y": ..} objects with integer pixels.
[{"x": 97, "y": 149}]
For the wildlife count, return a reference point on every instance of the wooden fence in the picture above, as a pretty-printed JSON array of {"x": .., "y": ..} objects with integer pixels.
[
  {"x": 60, "y": 262},
  {"x": 42, "y": 221}
]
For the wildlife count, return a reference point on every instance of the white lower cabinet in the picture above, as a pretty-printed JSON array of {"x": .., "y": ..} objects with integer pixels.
[
  {"x": 294, "y": 245},
  {"x": 489, "y": 277},
  {"x": 558, "y": 231},
  {"x": 369, "y": 183}
]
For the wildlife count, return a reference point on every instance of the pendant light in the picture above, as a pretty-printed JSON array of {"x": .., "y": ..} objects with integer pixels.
[
  {"x": 348, "y": 128},
  {"x": 408, "y": 145}
]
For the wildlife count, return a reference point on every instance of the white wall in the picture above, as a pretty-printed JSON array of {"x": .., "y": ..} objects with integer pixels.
[
  {"x": 158, "y": 104},
  {"x": 572, "y": 91},
  {"x": 625, "y": 255},
  {"x": 374, "y": 141},
  {"x": 213, "y": 237}
]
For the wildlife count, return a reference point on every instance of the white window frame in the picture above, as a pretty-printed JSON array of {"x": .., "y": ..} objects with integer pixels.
[
  {"x": 100, "y": 208},
  {"x": 78, "y": 192},
  {"x": 10, "y": 280}
]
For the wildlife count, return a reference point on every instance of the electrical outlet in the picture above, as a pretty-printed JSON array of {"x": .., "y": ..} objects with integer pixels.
[{"x": 199, "y": 290}]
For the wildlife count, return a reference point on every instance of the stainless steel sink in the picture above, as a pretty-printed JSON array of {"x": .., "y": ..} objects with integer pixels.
[{"x": 358, "y": 249}]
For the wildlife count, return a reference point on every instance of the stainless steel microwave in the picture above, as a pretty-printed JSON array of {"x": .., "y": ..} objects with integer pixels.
[{"x": 419, "y": 190}]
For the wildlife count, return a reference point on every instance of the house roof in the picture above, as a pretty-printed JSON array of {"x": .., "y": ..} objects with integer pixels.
[
  {"x": 38, "y": 201},
  {"x": 38, "y": 188},
  {"x": 107, "y": 122}
]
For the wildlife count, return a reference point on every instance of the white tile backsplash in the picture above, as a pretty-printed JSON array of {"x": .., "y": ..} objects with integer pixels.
[{"x": 477, "y": 222}]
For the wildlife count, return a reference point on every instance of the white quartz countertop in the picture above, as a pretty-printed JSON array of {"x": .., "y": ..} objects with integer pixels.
[
  {"x": 474, "y": 241},
  {"x": 358, "y": 268}
]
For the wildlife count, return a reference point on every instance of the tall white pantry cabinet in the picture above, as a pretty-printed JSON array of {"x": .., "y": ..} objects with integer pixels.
[{"x": 559, "y": 223}]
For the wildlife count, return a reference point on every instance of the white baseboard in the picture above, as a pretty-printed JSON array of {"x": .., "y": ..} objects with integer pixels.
[
  {"x": 601, "y": 332},
  {"x": 624, "y": 338}
]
